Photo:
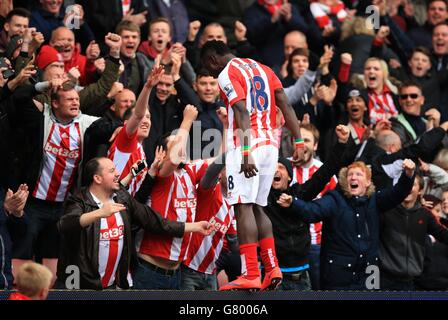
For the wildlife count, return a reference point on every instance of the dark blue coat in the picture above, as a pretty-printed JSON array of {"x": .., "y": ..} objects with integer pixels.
[
  {"x": 266, "y": 36},
  {"x": 350, "y": 234}
]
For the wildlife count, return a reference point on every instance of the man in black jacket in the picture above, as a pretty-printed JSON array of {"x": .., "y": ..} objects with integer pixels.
[
  {"x": 96, "y": 229},
  {"x": 403, "y": 233},
  {"x": 97, "y": 136},
  {"x": 292, "y": 234}
]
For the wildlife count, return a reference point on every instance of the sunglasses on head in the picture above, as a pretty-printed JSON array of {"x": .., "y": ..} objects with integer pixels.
[{"x": 411, "y": 95}]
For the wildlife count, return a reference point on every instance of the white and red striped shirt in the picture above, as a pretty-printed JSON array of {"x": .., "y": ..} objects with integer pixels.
[
  {"x": 321, "y": 13},
  {"x": 175, "y": 198},
  {"x": 381, "y": 106},
  {"x": 62, "y": 154},
  {"x": 302, "y": 175},
  {"x": 124, "y": 152},
  {"x": 110, "y": 246},
  {"x": 126, "y": 6},
  {"x": 204, "y": 251},
  {"x": 246, "y": 79}
]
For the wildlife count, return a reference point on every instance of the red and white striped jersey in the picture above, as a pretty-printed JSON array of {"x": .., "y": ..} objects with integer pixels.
[
  {"x": 204, "y": 251},
  {"x": 246, "y": 79},
  {"x": 62, "y": 154},
  {"x": 302, "y": 175},
  {"x": 124, "y": 152},
  {"x": 381, "y": 106},
  {"x": 110, "y": 246},
  {"x": 175, "y": 198}
]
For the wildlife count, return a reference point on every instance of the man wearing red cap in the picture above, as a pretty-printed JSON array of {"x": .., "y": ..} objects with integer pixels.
[{"x": 92, "y": 96}]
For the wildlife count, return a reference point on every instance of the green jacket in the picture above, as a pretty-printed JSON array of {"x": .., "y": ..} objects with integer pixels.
[{"x": 91, "y": 97}]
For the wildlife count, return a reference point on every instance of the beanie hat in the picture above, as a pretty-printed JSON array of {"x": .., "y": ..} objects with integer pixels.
[
  {"x": 288, "y": 166},
  {"x": 355, "y": 92},
  {"x": 47, "y": 56}
]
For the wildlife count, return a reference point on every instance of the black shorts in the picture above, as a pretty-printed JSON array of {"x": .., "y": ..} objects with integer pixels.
[{"x": 42, "y": 237}]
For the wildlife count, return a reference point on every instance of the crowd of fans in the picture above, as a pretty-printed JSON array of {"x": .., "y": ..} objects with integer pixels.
[{"x": 96, "y": 97}]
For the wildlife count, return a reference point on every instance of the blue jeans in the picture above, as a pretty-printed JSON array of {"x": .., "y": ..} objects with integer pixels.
[
  {"x": 147, "y": 278},
  {"x": 314, "y": 261},
  {"x": 298, "y": 281},
  {"x": 194, "y": 280}
]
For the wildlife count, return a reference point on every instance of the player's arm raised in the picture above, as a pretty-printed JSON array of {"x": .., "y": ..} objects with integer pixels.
[{"x": 291, "y": 121}]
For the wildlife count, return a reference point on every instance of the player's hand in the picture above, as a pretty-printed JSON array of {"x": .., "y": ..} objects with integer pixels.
[
  {"x": 285, "y": 200},
  {"x": 248, "y": 166}
]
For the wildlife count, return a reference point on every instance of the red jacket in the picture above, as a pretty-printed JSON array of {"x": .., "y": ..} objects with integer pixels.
[
  {"x": 18, "y": 296},
  {"x": 86, "y": 68}
]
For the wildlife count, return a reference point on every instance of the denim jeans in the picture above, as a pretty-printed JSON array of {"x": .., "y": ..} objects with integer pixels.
[
  {"x": 194, "y": 280},
  {"x": 146, "y": 278},
  {"x": 298, "y": 281}
]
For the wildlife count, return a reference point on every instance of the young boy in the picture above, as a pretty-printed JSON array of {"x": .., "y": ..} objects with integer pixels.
[{"x": 33, "y": 282}]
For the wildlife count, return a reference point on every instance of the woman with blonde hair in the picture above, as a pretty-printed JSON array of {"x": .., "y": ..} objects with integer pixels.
[{"x": 383, "y": 103}]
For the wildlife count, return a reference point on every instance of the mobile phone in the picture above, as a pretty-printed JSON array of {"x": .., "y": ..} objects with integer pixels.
[
  {"x": 7, "y": 73},
  {"x": 142, "y": 165}
]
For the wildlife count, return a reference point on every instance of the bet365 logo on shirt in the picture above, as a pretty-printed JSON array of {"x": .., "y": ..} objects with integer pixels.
[
  {"x": 115, "y": 233},
  {"x": 182, "y": 203}
]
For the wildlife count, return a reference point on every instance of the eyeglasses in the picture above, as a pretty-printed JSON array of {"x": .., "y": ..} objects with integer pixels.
[{"x": 411, "y": 95}]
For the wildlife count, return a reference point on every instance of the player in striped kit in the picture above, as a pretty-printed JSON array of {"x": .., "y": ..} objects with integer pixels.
[
  {"x": 252, "y": 92},
  {"x": 302, "y": 172},
  {"x": 127, "y": 148}
]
